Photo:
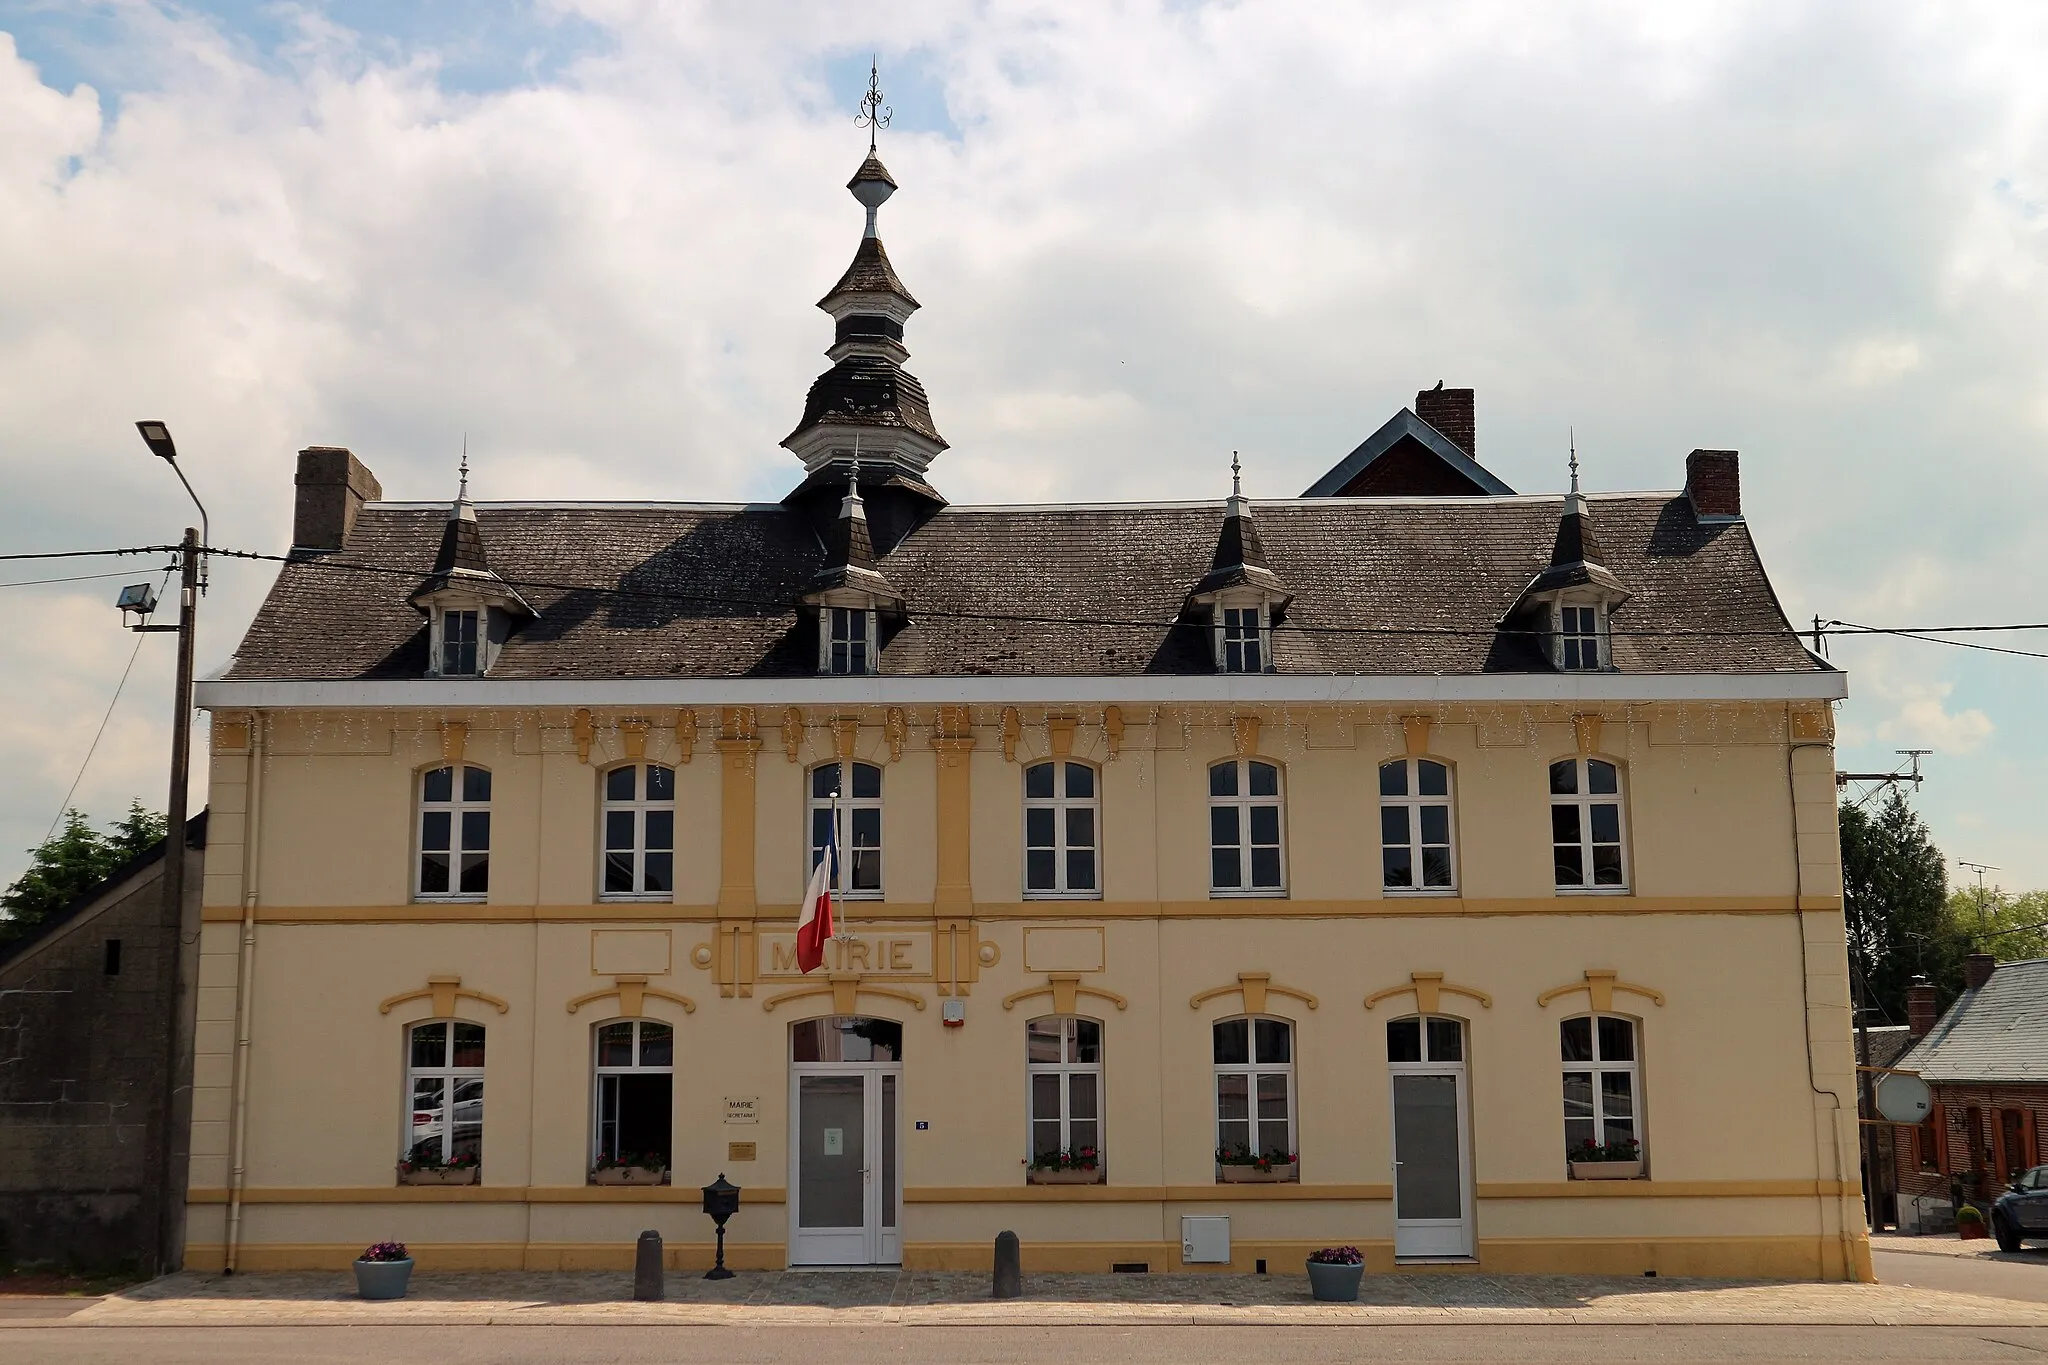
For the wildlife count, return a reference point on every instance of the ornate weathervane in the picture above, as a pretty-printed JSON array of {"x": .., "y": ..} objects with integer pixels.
[{"x": 873, "y": 113}]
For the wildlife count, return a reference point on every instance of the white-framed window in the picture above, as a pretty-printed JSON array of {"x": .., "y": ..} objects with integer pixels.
[
  {"x": 1425, "y": 1039},
  {"x": 639, "y": 833},
  {"x": 1254, "y": 1060},
  {"x": 846, "y": 645},
  {"x": 1602, "y": 1082},
  {"x": 444, "y": 1085},
  {"x": 460, "y": 650},
  {"x": 858, "y": 812},
  {"x": 633, "y": 1114},
  {"x": 1586, "y": 826},
  {"x": 1243, "y": 643},
  {"x": 1062, "y": 831},
  {"x": 1578, "y": 638},
  {"x": 1246, "y": 852},
  {"x": 454, "y": 833},
  {"x": 1063, "y": 1058},
  {"x": 1416, "y": 851}
]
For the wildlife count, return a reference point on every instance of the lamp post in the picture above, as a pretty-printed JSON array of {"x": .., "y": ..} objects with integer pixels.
[{"x": 174, "y": 974}]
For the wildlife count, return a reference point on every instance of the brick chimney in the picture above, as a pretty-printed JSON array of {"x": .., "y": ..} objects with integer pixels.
[
  {"x": 1450, "y": 412},
  {"x": 1977, "y": 969},
  {"x": 1920, "y": 1013},
  {"x": 1713, "y": 480},
  {"x": 333, "y": 486}
]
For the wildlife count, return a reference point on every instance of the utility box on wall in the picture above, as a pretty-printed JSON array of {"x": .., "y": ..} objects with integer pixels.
[{"x": 1205, "y": 1241}]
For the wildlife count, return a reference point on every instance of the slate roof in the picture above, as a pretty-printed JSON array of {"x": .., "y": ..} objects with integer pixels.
[
  {"x": 734, "y": 575},
  {"x": 1998, "y": 1032},
  {"x": 870, "y": 273}
]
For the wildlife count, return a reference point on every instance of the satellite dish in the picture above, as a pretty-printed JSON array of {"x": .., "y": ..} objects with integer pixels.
[{"x": 1902, "y": 1098}]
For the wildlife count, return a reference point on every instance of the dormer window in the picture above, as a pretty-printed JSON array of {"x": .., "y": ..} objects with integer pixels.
[
  {"x": 1578, "y": 638},
  {"x": 459, "y": 632},
  {"x": 1243, "y": 643},
  {"x": 847, "y": 645}
]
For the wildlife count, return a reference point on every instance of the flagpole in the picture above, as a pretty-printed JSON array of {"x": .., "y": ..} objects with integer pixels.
[{"x": 842, "y": 809}]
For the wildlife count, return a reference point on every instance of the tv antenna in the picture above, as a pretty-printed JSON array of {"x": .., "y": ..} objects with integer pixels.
[{"x": 1909, "y": 771}]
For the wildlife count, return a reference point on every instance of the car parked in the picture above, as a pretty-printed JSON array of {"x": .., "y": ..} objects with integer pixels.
[{"x": 2021, "y": 1213}]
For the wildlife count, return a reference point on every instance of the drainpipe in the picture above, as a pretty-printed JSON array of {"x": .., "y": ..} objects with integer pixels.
[{"x": 245, "y": 990}]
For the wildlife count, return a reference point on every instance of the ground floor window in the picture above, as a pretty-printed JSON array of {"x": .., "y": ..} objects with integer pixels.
[
  {"x": 1254, "y": 1060},
  {"x": 1063, "y": 1055},
  {"x": 634, "y": 1122},
  {"x": 1602, "y": 1088},
  {"x": 445, "y": 1082}
]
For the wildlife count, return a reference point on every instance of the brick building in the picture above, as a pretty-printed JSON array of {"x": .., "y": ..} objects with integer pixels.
[{"x": 1986, "y": 1060}]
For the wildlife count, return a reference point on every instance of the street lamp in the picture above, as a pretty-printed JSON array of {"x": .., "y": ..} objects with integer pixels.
[{"x": 181, "y": 939}]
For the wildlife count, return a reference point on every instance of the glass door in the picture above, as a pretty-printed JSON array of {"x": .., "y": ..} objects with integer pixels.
[
  {"x": 845, "y": 1182},
  {"x": 1432, "y": 1185}
]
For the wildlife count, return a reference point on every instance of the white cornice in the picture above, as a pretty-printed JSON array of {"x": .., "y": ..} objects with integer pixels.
[{"x": 1148, "y": 690}]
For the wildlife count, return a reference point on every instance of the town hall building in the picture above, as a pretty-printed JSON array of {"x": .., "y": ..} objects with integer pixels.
[{"x": 1413, "y": 864}]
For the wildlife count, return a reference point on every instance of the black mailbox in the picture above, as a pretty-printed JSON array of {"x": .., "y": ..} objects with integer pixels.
[{"x": 721, "y": 1201}]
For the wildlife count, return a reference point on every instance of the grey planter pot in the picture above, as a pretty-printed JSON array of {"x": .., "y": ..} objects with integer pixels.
[
  {"x": 383, "y": 1279},
  {"x": 1335, "y": 1283}
]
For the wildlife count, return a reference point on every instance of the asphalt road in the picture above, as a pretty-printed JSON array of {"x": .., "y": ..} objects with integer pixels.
[
  {"x": 508, "y": 1345},
  {"x": 2025, "y": 1281}
]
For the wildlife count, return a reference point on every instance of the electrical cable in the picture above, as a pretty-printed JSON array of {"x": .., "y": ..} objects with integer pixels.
[
  {"x": 75, "y": 578},
  {"x": 65, "y": 804},
  {"x": 82, "y": 554}
]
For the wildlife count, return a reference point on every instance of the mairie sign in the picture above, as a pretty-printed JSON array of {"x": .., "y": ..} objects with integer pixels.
[{"x": 905, "y": 954}]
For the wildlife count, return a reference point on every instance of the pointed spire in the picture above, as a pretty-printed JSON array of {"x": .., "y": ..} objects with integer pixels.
[
  {"x": 1240, "y": 557},
  {"x": 850, "y": 548},
  {"x": 1577, "y": 558},
  {"x": 462, "y": 511},
  {"x": 460, "y": 562}
]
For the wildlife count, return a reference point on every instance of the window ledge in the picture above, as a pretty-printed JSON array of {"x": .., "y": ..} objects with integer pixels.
[
  {"x": 1062, "y": 895},
  {"x": 1594, "y": 891},
  {"x": 1219, "y": 895},
  {"x": 427, "y": 899},
  {"x": 1411, "y": 894},
  {"x": 630, "y": 898}
]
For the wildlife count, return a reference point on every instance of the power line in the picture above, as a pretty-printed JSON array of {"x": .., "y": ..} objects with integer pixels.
[
  {"x": 75, "y": 578},
  {"x": 1925, "y": 634},
  {"x": 93, "y": 748},
  {"x": 82, "y": 554}
]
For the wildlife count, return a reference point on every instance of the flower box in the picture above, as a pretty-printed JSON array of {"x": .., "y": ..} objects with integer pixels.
[
  {"x": 627, "y": 1175},
  {"x": 1280, "y": 1174},
  {"x": 438, "y": 1175},
  {"x": 1970, "y": 1232},
  {"x": 1088, "y": 1175},
  {"x": 1607, "y": 1170}
]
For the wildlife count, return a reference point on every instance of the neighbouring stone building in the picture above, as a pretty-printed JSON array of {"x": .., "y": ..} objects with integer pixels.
[
  {"x": 1221, "y": 879},
  {"x": 1986, "y": 1062},
  {"x": 84, "y": 1004}
]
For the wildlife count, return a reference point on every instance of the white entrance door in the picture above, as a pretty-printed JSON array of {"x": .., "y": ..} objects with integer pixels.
[
  {"x": 1432, "y": 1178},
  {"x": 845, "y": 1188}
]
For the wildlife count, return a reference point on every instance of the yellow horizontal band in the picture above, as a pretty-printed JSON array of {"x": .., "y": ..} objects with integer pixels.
[{"x": 480, "y": 1194}]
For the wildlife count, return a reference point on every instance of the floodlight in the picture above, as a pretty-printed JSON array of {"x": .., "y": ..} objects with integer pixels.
[{"x": 137, "y": 597}]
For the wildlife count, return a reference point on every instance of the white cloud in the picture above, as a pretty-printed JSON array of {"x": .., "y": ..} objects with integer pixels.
[{"x": 1923, "y": 721}]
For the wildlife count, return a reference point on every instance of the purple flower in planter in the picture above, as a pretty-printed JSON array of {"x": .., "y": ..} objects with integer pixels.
[{"x": 386, "y": 1251}]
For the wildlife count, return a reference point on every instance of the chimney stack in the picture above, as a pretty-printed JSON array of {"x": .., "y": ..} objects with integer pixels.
[
  {"x": 1713, "y": 480},
  {"x": 333, "y": 486},
  {"x": 1450, "y": 412},
  {"x": 1919, "y": 1008},
  {"x": 1977, "y": 969}
]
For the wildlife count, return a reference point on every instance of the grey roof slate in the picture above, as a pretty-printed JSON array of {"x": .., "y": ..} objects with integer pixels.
[
  {"x": 870, "y": 273},
  {"x": 1998, "y": 1032},
  {"x": 717, "y": 590}
]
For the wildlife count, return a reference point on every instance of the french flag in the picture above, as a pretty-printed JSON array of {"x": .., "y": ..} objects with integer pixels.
[{"x": 814, "y": 926}]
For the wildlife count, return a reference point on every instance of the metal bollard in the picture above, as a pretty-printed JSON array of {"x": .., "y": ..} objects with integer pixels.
[
  {"x": 648, "y": 1285},
  {"x": 1009, "y": 1266}
]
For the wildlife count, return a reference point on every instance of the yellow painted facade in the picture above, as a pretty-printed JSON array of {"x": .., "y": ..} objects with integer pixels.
[{"x": 1726, "y": 951}]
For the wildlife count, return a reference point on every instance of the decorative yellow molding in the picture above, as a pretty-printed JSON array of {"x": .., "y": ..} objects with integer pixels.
[
  {"x": 737, "y": 723},
  {"x": 1415, "y": 734},
  {"x": 845, "y": 988},
  {"x": 686, "y": 735},
  {"x": 1600, "y": 984},
  {"x": 792, "y": 732},
  {"x": 584, "y": 731},
  {"x": 1255, "y": 987},
  {"x": 1059, "y": 734},
  {"x": 444, "y": 991},
  {"x": 845, "y": 734},
  {"x": 633, "y": 992},
  {"x": 633, "y": 737},
  {"x": 1013, "y": 728},
  {"x": 1813, "y": 723},
  {"x": 1586, "y": 730},
  {"x": 1113, "y": 729},
  {"x": 1244, "y": 734},
  {"x": 736, "y": 895},
  {"x": 1064, "y": 988},
  {"x": 454, "y": 738},
  {"x": 953, "y": 888},
  {"x": 1428, "y": 988},
  {"x": 897, "y": 729}
]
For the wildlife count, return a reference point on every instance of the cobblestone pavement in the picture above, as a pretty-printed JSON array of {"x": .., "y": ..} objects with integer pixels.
[
  {"x": 1983, "y": 1248},
  {"x": 922, "y": 1298}
]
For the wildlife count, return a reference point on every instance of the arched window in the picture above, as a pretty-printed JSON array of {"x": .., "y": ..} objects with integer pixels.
[
  {"x": 857, "y": 814},
  {"x": 444, "y": 1082},
  {"x": 455, "y": 833},
  {"x": 1602, "y": 1088},
  {"x": 1061, "y": 822},
  {"x": 1586, "y": 826},
  {"x": 639, "y": 832},
  {"x": 1415, "y": 826},
  {"x": 1254, "y": 1060},
  {"x": 1063, "y": 1056},
  {"x": 1245, "y": 846},
  {"x": 634, "y": 1114}
]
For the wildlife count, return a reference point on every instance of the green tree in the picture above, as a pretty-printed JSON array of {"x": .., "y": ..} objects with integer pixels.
[
  {"x": 1895, "y": 885},
  {"x": 71, "y": 862},
  {"x": 2011, "y": 927}
]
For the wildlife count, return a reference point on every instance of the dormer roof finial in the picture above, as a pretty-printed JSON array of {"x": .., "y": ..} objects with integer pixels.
[
  {"x": 462, "y": 511},
  {"x": 874, "y": 114},
  {"x": 1572, "y": 440},
  {"x": 1236, "y": 483}
]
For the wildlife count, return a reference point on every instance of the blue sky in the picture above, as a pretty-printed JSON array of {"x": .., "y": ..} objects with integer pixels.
[{"x": 588, "y": 233}]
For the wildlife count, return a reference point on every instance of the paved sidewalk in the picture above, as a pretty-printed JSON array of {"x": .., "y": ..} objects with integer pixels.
[
  {"x": 919, "y": 1298},
  {"x": 1937, "y": 1244}
]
